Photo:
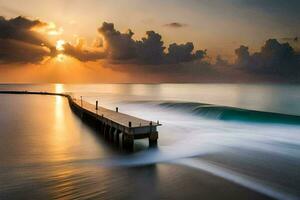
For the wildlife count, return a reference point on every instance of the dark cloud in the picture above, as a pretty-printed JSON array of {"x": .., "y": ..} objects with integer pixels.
[
  {"x": 275, "y": 62},
  {"x": 20, "y": 43},
  {"x": 119, "y": 45},
  {"x": 150, "y": 50},
  {"x": 15, "y": 51},
  {"x": 183, "y": 53},
  {"x": 83, "y": 54},
  {"x": 220, "y": 61},
  {"x": 24, "y": 23},
  {"x": 243, "y": 56},
  {"x": 274, "y": 58},
  {"x": 175, "y": 25}
]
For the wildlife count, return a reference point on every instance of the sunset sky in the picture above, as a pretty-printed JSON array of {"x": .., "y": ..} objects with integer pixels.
[{"x": 85, "y": 49}]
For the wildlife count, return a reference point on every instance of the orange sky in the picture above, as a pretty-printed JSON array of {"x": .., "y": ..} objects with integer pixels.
[{"x": 220, "y": 26}]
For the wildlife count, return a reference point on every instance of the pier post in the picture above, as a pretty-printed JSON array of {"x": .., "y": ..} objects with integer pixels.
[
  {"x": 117, "y": 137},
  {"x": 153, "y": 139},
  {"x": 153, "y": 136},
  {"x": 117, "y": 109},
  {"x": 101, "y": 127},
  {"x": 112, "y": 134},
  {"x": 107, "y": 132},
  {"x": 128, "y": 141},
  {"x": 123, "y": 140},
  {"x": 96, "y": 105}
]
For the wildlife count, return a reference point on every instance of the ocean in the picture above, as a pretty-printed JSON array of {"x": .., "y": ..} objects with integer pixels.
[{"x": 217, "y": 141}]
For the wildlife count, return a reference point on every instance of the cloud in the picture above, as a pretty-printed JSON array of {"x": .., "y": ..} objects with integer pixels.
[
  {"x": 15, "y": 51},
  {"x": 119, "y": 45},
  {"x": 175, "y": 25},
  {"x": 20, "y": 43},
  {"x": 83, "y": 54},
  {"x": 243, "y": 56},
  {"x": 221, "y": 62},
  {"x": 274, "y": 58},
  {"x": 275, "y": 62},
  {"x": 183, "y": 53},
  {"x": 150, "y": 50}
]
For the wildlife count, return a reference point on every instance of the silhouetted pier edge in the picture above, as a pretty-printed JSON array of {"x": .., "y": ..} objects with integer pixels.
[{"x": 111, "y": 124}]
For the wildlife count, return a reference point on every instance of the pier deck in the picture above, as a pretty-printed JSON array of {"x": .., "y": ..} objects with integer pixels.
[
  {"x": 118, "y": 117},
  {"x": 113, "y": 123}
]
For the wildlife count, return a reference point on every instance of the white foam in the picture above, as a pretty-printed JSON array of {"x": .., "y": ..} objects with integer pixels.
[{"x": 240, "y": 179}]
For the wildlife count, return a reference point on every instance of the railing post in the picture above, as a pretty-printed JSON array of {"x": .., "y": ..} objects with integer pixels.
[
  {"x": 97, "y": 105},
  {"x": 129, "y": 124},
  {"x": 81, "y": 101},
  {"x": 117, "y": 109}
]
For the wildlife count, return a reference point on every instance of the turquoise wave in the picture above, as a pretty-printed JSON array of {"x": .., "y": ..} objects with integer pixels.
[{"x": 231, "y": 113}]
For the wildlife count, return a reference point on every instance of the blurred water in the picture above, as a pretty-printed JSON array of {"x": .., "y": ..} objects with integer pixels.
[{"x": 47, "y": 152}]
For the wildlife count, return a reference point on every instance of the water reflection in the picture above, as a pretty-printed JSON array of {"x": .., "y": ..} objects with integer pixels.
[
  {"x": 60, "y": 135},
  {"x": 59, "y": 88},
  {"x": 50, "y": 153}
]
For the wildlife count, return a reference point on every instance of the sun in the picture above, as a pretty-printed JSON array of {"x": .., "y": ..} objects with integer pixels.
[
  {"x": 60, "y": 45},
  {"x": 60, "y": 57}
]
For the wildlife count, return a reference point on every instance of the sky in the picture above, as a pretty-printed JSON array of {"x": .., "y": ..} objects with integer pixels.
[{"x": 88, "y": 49}]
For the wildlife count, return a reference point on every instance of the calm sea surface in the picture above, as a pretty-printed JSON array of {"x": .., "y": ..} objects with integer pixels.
[{"x": 218, "y": 141}]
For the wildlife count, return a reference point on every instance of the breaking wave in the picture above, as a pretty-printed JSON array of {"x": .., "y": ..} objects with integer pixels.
[{"x": 231, "y": 113}]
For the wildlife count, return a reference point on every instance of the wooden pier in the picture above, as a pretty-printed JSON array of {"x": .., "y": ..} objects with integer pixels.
[{"x": 110, "y": 123}]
